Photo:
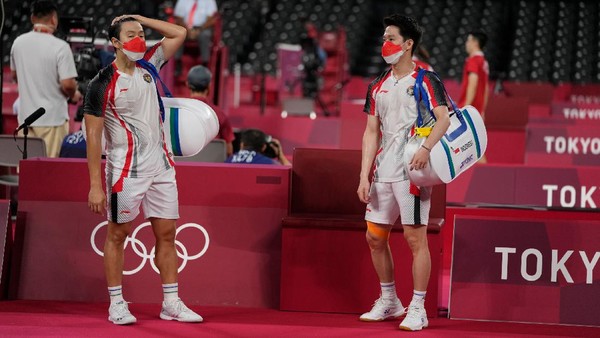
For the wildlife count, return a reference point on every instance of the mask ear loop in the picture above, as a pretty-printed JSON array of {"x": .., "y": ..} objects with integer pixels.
[{"x": 119, "y": 41}]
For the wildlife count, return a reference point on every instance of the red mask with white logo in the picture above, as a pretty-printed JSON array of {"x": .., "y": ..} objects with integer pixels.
[
  {"x": 391, "y": 52},
  {"x": 135, "y": 48}
]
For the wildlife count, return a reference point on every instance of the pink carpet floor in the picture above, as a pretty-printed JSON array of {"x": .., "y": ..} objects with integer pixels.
[{"x": 68, "y": 319}]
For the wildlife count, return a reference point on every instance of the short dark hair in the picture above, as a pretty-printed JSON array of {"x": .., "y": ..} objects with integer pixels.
[
  {"x": 114, "y": 31},
  {"x": 480, "y": 36},
  {"x": 409, "y": 28},
  {"x": 253, "y": 139},
  {"x": 42, "y": 8}
]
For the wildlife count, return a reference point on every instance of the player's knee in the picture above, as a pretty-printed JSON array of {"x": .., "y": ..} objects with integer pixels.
[
  {"x": 117, "y": 235},
  {"x": 377, "y": 236},
  {"x": 165, "y": 235},
  {"x": 416, "y": 240}
]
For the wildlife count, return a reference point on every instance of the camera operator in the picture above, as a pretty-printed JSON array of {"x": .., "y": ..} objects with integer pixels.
[
  {"x": 45, "y": 79},
  {"x": 88, "y": 63},
  {"x": 258, "y": 148},
  {"x": 80, "y": 34}
]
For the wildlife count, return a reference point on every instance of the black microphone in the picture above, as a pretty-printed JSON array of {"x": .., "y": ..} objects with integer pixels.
[{"x": 32, "y": 118}]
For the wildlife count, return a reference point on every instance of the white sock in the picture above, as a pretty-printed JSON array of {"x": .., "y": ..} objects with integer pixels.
[
  {"x": 419, "y": 295},
  {"x": 116, "y": 294},
  {"x": 170, "y": 291},
  {"x": 388, "y": 290}
]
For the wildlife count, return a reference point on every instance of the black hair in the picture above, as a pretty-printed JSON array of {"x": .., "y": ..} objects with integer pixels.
[
  {"x": 42, "y": 8},
  {"x": 480, "y": 36},
  {"x": 197, "y": 88},
  {"x": 253, "y": 139},
  {"x": 114, "y": 31},
  {"x": 409, "y": 28}
]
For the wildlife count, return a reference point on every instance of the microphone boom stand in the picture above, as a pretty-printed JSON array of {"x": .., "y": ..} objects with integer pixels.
[{"x": 25, "y": 132}]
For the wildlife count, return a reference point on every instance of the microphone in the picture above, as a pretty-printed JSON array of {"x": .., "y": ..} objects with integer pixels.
[{"x": 32, "y": 118}]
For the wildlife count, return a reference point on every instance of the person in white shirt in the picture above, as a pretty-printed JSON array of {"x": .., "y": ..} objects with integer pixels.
[
  {"x": 392, "y": 114},
  {"x": 198, "y": 17},
  {"x": 122, "y": 102},
  {"x": 45, "y": 79}
]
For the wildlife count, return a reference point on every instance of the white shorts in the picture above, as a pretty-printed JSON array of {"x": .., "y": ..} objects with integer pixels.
[
  {"x": 157, "y": 195},
  {"x": 393, "y": 199}
]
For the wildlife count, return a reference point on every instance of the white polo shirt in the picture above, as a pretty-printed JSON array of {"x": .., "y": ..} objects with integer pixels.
[
  {"x": 204, "y": 9},
  {"x": 41, "y": 61}
]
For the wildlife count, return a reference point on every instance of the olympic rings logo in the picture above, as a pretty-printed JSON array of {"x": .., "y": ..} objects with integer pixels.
[{"x": 140, "y": 249}]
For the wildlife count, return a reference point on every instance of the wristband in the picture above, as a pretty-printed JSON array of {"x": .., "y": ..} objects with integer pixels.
[{"x": 429, "y": 150}]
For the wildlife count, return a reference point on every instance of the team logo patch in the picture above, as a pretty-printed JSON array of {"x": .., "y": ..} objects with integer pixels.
[
  {"x": 410, "y": 90},
  {"x": 147, "y": 78}
]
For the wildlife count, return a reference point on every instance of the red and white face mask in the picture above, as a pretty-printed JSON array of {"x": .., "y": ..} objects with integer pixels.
[
  {"x": 134, "y": 49},
  {"x": 391, "y": 52}
]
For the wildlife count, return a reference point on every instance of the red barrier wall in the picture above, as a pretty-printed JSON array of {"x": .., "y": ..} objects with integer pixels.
[
  {"x": 328, "y": 268},
  {"x": 236, "y": 212},
  {"x": 326, "y": 262},
  {"x": 506, "y": 146},
  {"x": 537, "y": 267},
  {"x": 5, "y": 243},
  {"x": 562, "y": 145},
  {"x": 541, "y": 93},
  {"x": 293, "y": 132},
  {"x": 569, "y": 113},
  {"x": 507, "y": 112},
  {"x": 533, "y": 186}
]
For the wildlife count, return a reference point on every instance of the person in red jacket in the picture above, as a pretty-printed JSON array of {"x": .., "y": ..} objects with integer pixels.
[{"x": 475, "y": 83}]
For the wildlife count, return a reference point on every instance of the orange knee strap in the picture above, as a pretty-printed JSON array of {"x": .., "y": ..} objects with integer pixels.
[{"x": 378, "y": 231}]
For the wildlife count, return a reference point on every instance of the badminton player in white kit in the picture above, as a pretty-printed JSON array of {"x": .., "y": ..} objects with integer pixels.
[
  {"x": 392, "y": 112},
  {"x": 122, "y": 102}
]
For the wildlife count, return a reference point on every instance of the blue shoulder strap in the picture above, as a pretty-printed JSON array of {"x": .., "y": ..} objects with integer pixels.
[
  {"x": 421, "y": 94},
  {"x": 154, "y": 72},
  {"x": 418, "y": 92}
]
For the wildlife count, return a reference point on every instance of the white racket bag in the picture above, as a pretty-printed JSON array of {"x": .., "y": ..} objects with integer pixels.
[
  {"x": 459, "y": 149},
  {"x": 189, "y": 125}
]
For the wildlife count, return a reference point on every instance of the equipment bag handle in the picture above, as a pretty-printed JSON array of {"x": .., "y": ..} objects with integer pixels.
[{"x": 420, "y": 93}]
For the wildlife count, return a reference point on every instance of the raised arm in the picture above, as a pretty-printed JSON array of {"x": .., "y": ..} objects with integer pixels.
[{"x": 174, "y": 35}]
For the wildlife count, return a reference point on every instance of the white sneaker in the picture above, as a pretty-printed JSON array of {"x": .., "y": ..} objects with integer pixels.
[
  {"x": 119, "y": 314},
  {"x": 176, "y": 310},
  {"x": 416, "y": 318},
  {"x": 384, "y": 309}
]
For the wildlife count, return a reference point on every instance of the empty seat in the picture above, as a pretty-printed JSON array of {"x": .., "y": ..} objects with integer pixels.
[{"x": 11, "y": 154}]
